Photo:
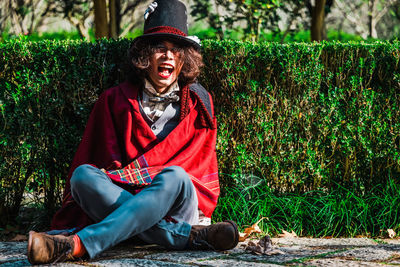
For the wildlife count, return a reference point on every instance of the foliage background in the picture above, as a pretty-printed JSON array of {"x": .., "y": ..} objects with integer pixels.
[
  {"x": 296, "y": 118},
  {"x": 238, "y": 19}
]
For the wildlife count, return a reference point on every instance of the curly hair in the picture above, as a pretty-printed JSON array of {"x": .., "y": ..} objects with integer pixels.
[{"x": 139, "y": 59}]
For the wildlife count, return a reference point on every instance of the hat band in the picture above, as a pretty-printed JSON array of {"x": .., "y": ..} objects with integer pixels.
[{"x": 165, "y": 29}]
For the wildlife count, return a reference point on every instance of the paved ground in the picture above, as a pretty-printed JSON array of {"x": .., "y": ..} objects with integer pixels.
[{"x": 285, "y": 252}]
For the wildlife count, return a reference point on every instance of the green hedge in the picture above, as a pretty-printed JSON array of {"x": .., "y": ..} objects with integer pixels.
[
  {"x": 297, "y": 117},
  {"x": 307, "y": 116}
]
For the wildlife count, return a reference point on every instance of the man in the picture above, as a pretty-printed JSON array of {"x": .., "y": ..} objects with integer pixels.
[{"x": 147, "y": 163}]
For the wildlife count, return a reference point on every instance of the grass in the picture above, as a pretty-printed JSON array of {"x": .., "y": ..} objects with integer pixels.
[{"x": 339, "y": 212}]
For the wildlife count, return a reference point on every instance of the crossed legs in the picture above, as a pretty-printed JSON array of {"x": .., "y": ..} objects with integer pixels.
[{"x": 119, "y": 214}]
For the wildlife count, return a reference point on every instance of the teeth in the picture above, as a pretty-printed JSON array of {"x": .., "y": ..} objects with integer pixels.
[
  {"x": 166, "y": 66},
  {"x": 165, "y": 70}
]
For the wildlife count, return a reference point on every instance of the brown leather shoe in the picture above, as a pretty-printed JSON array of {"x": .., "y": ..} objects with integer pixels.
[
  {"x": 219, "y": 236},
  {"x": 44, "y": 248}
]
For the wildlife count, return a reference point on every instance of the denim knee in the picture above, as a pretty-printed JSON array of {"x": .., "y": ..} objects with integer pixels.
[
  {"x": 82, "y": 177},
  {"x": 177, "y": 175},
  {"x": 174, "y": 177}
]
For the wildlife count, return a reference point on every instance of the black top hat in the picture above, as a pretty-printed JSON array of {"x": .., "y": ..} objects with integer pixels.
[{"x": 168, "y": 18}]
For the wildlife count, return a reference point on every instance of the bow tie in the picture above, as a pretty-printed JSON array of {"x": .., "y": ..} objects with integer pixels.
[{"x": 169, "y": 99}]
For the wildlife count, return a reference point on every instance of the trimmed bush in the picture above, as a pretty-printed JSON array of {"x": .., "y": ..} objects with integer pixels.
[
  {"x": 307, "y": 116},
  {"x": 47, "y": 91},
  {"x": 295, "y": 117}
]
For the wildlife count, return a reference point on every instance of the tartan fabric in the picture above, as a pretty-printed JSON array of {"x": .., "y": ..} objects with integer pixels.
[
  {"x": 135, "y": 174},
  {"x": 138, "y": 177}
]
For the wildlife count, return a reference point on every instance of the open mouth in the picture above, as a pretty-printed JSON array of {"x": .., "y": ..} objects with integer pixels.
[{"x": 165, "y": 70}]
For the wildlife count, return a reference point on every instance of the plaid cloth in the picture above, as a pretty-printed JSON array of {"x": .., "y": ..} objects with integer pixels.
[
  {"x": 137, "y": 173},
  {"x": 138, "y": 177}
]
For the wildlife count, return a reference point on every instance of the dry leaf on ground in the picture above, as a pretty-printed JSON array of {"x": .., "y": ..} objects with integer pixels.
[
  {"x": 249, "y": 230},
  {"x": 262, "y": 247},
  {"x": 19, "y": 238},
  {"x": 286, "y": 234},
  {"x": 391, "y": 233}
]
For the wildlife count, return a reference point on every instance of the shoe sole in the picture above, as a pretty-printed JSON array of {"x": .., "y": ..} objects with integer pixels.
[{"x": 236, "y": 232}]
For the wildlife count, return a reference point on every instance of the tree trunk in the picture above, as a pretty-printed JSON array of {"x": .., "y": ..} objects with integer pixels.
[
  {"x": 317, "y": 20},
  {"x": 79, "y": 25},
  {"x": 118, "y": 16},
  {"x": 113, "y": 19},
  {"x": 215, "y": 23},
  {"x": 258, "y": 32},
  {"x": 100, "y": 18},
  {"x": 371, "y": 19}
]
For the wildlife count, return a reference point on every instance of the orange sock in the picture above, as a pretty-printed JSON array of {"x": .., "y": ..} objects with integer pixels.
[{"x": 79, "y": 248}]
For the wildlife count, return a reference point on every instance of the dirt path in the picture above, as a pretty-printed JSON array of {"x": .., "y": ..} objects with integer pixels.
[{"x": 286, "y": 252}]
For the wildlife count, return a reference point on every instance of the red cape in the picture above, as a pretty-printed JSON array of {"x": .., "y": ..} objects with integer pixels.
[{"x": 116, "y": 135}]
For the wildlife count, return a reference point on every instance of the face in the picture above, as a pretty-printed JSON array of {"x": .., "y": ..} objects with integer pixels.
[{"x": 165, "y": 65}]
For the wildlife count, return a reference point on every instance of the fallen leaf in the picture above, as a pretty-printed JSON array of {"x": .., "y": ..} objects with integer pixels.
[
  {"x": 391, "y": 233},
  {"x": 366, "y": 235},
  {"x": 286, "y": 234},
  {"x": 242, "y": 237},
  {"x": 249, "y": 230},
  {"x": 19, "y": 238}
]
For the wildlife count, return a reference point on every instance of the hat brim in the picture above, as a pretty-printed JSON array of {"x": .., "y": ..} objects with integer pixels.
[{"x": 180, "y": 39}]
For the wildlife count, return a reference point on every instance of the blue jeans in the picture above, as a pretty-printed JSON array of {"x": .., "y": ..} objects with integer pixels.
[{"x": 120, "y": 215}]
